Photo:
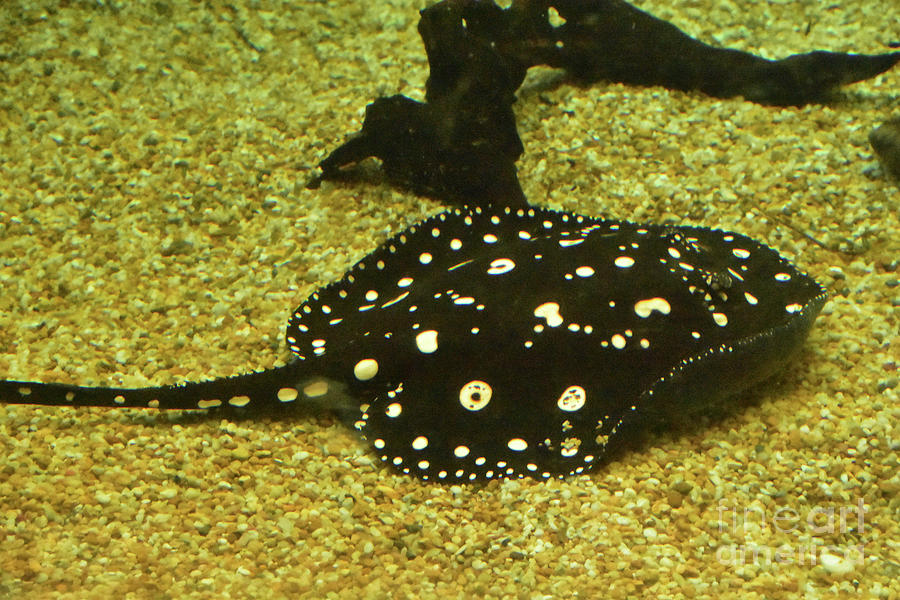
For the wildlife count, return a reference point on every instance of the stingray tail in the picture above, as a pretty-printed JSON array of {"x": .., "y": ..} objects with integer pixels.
[{"x": 266, "y": 389}]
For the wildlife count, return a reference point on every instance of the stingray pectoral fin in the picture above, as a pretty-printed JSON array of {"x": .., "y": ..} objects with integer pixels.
[
  {"x": 695, "y": 385},
  {"x": 271, "y": 388}
]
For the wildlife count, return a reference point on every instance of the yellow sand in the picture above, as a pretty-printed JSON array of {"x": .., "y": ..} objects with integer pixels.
[{"x": 154, "y": 227}]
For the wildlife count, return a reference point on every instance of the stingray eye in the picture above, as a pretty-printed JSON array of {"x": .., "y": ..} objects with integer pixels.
[
  {"x": 719, "y": 280},
  {"x": 475, "y": 395}
]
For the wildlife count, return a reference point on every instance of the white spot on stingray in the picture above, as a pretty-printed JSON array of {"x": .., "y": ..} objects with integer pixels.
[
  {"x": 782, "y": 277},
  {"x": 489, "y": 238},
  {"x": 618, "y": 341},
  {"x": 423, "y": 464},
  {"x": 458, "y": 265},
  {"x": 572, "y": 399},
  {"x": 524, "y": 235},
  {"x": 517, "y": 444},
  {"x": 378, "y": 443},
  {"x": 751, "y": 299},
  {"x": 212, "y": 403},
  {"x": 645, "y": 343},
  {"x": 420, "y": 443},
  {"x": 239, "y": 401},
  {"x": 623, "y": 262},
  {"x": 643, "y": 308},
  {"x": 792, "y": 308},
  {"x": 720, "y": 319},
  {"x": 735, "y": 274},
  {"x": 405, "y": 282},
  {"x": 426, "y": 341},
  {"x": 394, "y": 301},
  {"x": 584, "y": 271},
  {"x": 425, "y": 258},
  {"x": 455, "y": 244},
  {"x": 550, "y": 312},
  {"x": 740, "y": 253},
  {"x": 318, "y": 343},
  {"x": 499, "y": 266},
  {"x": 695, "y": 335},
  {"x": 289, "y": 394},
  {"x": 393, "y": 410},
  {"x": 674, "y": 253},
  {"x": 475, "y": 395},
  {"x": 569, "y": 243},
  {"x": 365, "y": 369},
  {"x": 461, "y": 451},
  {"x": 435, "y": 232}
]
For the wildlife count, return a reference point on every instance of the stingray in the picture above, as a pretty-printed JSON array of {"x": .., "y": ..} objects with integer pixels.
[{"x": 512, "y": 342}]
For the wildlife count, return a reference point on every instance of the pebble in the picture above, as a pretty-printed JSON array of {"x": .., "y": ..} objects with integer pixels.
[
  {"x": 837, "y": 565},
  {"x": 241, "y": 453},
  {"x": 202, "y": 527}
]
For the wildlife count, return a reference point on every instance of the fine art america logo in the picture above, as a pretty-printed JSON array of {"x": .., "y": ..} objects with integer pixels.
[{"x": 741, "y": 528}]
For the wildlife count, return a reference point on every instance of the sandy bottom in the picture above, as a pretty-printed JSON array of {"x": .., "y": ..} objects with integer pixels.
[{"x": 155, "y": 227}]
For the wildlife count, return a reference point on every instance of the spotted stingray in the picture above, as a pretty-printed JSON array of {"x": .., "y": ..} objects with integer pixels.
[{"x": 485, "y": 344}]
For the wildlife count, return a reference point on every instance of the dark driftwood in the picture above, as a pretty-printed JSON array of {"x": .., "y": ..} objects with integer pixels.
[
  {"x": 461, "y": 144},
  {"x": 885, "y": 141}
]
